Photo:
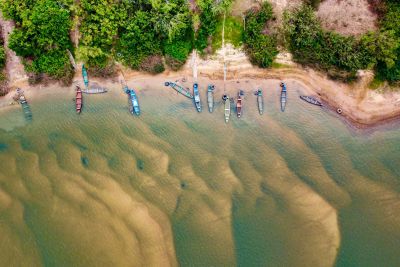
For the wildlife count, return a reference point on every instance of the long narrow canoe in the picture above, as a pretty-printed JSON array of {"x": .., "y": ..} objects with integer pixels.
[
  {"x": 78, "y": 100},
  {"x": 239, "y": 105},
  {"x": 283, "y": 97},
  {"x": 25, "y": 106},
  {"x": 85, "y": 76},
  {"x": 260, "y": 101},
  {"x": 179, "y": 89},
  {"x": 95, "y": 90},
  {"x": 133, "y": 101},
  {"x": 210, "y": 97},
  {"x": 227, "y": 107},
  {"x": 196, "y": 94},
  {"x": 311, "y": 100}
]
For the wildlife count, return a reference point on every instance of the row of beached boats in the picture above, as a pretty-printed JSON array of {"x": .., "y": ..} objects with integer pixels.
[
  {"x": 134, "y": 107},
  {"x": 228, "y": 102}
]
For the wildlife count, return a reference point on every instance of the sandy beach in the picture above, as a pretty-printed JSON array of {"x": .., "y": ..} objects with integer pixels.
[{"x": 360, "y": 105}]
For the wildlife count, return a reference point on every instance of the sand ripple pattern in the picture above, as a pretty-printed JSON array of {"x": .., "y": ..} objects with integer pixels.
[{"x": 185, "y": 190}]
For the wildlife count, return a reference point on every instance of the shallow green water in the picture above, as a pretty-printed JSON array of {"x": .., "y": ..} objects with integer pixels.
[{"x": 174, "y": 187}]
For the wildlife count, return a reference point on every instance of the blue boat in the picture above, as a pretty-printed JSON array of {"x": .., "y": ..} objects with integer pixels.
[
  {"x": 85, "y": 76},
  {"x": 133, "y": 101},
  {"x": 283, "y": 97},
  {"x": 196, "y": 97}
]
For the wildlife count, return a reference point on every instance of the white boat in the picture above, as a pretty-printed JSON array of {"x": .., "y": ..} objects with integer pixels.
[
  {"x": 210, "y": 97},
  {"x": 227, "y": 109}
]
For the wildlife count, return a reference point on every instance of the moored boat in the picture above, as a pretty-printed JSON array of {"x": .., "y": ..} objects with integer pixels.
[
  {"x": 227, "y": 107},
  {"x": 196, "y": 94},
  {"x": 78, "y": 100},
  {"x": 311, "y": 100},
  {"x": 239, "y": 104},
  {"x": 260, "y": 101},
  {"x": 85, "y": 76},
  {"x": 25, "y": 106},
  {"x": 95, "y": 90},
  {"x": 133, "y": 101},
  {"x": 283, "y": 96},
  {"x": 179, "y": 89},
  {"x": 210, "y": 97}
]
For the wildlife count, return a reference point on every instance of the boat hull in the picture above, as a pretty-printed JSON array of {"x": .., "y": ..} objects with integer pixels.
[
  {"x": 227, "y": 109},
  {"x": 85, "y": 76},
  {"x": 133, "y": 99},
  {"x": 78, "y": 100},
  {"x": 196, "y": 95},
  {"x": 210, "y": 98},
  {"x": 239, "y": 106},
  {"x": 311, "y": 100},
  {"x": 283, "y": 97},
  {"x": 95, "y": 91},
  {"x": 260, "y": 102},
  {"x": 179, "y": 89}
]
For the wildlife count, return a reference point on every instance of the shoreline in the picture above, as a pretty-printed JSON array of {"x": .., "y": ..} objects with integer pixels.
[{"x": 362, "y": 108}]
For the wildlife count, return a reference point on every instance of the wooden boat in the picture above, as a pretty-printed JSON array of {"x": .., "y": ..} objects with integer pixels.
[
  {"x": 227, "y": 107},
  {"x": 196, "y": 94},
  {"x": 283, "y": 97},
  {"x": 85, "y": 76},
  {"x": 260, "y": 101},
  {"x": 210, "y": 97},
  {"x": 78, "y": 100},
  {"x": 133, "y": 99},
  {"x": 179, "y": 89},
  {"x": 239, "y": 105},
  {"x": 311, "y": 100},
  {"x": 95, "y": 90},
  {"x": 24, "y": 104}
]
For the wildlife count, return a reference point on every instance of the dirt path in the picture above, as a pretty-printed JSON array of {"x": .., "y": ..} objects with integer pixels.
[{"x": 14, "y": 67}]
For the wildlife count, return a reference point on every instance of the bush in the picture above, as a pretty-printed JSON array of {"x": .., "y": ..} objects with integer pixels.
[
  {"x": 176, "y": 53},
  {"x": 152, "y": 64},
  {"x": 388, "y": 60},
  {"x": 311, "y": 45},
  {"x": 43, "y": 36},
  {"x": 138, "y": 40},
  {"x": 2, "y": 57},
  {"x": 260, "y": 47}
]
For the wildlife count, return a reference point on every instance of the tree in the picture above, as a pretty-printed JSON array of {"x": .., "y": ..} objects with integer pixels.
[{"x": 260, "y": 47}]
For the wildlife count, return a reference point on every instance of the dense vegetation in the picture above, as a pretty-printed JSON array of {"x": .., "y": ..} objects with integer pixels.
[
  {"x": 388, "y": 60},
  {"x": 146, "y": 34},
  {"x": 311, "y": 45},
  {"x": 135, "y": 33},
  {"x": 41, "y": 36},
  {"x": 342, "y": 56},
  {"x": 260, "y": 46}
]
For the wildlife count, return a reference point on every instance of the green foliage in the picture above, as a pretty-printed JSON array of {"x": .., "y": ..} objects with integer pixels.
[
  {"x": 43, "y": 35},
  {"x": 311, "y": 45},
  {"x": 388, "y": 51},
  {"x": 133, "y": 31},
  {"x": 15, "y": 9},
  {"x": 233, "y": 32},
  {"x": 260, "y": 47},
  {"x": 2, "y": 57},
  {"x": 139, "y": 40},
  {"x": 176, "y": 52}
]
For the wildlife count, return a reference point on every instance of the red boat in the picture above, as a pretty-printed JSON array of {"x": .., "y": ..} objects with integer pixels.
[
  {"x": 78, "y": 100},
  {"x": 239, "y": 105}
]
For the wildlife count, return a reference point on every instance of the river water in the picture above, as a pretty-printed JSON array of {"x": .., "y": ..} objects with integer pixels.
[{"x": 175, "y": 187}]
